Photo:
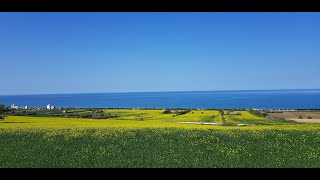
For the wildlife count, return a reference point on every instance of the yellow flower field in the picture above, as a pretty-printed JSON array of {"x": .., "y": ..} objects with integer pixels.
[{"x": 157, "y": 141}]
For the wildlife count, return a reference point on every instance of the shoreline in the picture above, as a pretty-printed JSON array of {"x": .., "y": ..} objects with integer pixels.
[{"x": 178, "y": 108}]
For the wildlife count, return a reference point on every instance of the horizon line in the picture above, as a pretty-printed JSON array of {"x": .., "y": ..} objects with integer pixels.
[{"x": 160, "y": 91}]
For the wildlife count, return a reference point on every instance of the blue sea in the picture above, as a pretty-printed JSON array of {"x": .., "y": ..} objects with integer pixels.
[{"x": 261, "y": 99}]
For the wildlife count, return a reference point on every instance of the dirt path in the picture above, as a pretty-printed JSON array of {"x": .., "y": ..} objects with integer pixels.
[{"x": 222, "y": 117}]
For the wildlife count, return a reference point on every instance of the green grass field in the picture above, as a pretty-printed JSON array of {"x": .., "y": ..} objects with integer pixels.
[{"x": 157, "y": 141}]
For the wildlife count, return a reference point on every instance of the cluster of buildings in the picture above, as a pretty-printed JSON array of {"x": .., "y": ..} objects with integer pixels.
[
  {"x": 275, "y": 110},
  {"x": 49, "y": 106},
  {"x": 14, "y": 106}
]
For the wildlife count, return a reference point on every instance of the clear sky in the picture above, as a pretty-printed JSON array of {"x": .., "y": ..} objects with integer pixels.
[{"x": 42, "y": 53}]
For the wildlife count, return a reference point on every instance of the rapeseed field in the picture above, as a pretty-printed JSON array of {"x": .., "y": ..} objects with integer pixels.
[{"x": 157, "y": 141}]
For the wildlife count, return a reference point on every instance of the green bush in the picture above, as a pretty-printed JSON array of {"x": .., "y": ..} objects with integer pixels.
[
  {"x": 257, "y": 113},
  {"x": 167, "y": 111}
]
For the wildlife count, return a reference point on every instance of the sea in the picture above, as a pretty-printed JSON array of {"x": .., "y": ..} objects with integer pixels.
[{"x": 260, "y": 99}]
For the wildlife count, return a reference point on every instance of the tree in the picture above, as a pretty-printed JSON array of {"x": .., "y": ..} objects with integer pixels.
[
  {"x": 300, "y": 117},
  {"x": 3, "y": 109},
  {"x": 167, "y": 111}
]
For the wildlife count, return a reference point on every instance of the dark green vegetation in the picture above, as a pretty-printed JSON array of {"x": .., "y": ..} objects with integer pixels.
[
  {"x": 176, "y": 112},
  {"x": 161, "y": 147},
  {"x": 67, "y": 113},
  {"x": 167, "y": 111},
  {"x": 257, "y": 113},
  {"x": 3, "y": 109}
]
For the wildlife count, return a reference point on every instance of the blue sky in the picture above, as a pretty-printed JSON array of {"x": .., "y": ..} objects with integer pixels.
[{"x": 43, "y": 53}]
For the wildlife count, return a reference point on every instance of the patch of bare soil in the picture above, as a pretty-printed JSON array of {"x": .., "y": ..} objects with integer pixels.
[
  {"x": 307, "y": 120},
  {"x": 315, "y": 116}
]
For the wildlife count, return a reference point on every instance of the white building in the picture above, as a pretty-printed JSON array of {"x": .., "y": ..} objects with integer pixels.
[
  {"x": 13, "y": 106},
  {"x": 50, "y": 107},
  {"x": 25, "y": 107}
]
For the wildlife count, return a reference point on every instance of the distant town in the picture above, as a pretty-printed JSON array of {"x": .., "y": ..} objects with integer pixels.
[{"x": 49, "y": 106}]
